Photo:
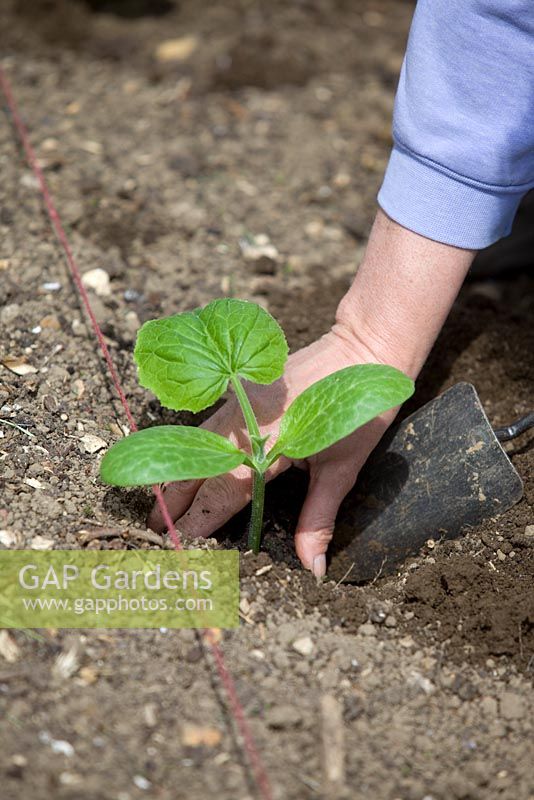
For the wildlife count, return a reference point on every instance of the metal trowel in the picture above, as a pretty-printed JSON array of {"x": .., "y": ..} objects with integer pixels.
[{"x": 439, "y": 471}]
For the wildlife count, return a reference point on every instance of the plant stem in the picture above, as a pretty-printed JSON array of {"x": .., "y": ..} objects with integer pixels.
[
  {"x": 258, "y": 454},
  {"x": 246, "y": 408},
  {"x": 256, "y": 516}
]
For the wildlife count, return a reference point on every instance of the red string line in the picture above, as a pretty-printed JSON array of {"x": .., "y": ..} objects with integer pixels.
[
  {"x": 235, "y": 706},
  {"x": 77, "y": 278},
  {"x": 262, "y": 780}
]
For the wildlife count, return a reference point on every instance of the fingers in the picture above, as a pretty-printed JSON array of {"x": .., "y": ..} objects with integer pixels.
[
  {"x": 216, "y": 501},
  {"x": 315, "y": 528},
  {"x": 178, "y": 497}
]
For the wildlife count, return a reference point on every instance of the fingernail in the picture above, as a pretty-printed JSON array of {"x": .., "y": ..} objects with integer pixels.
[{"x": 319, "y": 566}]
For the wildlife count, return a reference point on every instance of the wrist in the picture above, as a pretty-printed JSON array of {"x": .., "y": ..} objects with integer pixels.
[{"x": 401, "y": 295}]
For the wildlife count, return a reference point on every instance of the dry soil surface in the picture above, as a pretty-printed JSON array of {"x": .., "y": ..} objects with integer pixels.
[{"x": 275, "y": 121}]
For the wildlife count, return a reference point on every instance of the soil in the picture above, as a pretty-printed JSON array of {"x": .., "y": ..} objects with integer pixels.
[{"x": 277, "y": 123}]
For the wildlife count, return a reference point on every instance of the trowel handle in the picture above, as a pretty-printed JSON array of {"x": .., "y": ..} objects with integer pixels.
[{"x": 515, "y": 428}]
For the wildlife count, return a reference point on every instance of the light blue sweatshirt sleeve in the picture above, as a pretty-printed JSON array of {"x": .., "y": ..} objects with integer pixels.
[{"x": 463, "y": 125}]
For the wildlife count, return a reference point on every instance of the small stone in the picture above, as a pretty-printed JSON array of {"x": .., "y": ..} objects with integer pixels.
[
  {"x": 41, "y": 543},
  {"x": 529, "y": 530},
  {"x": 34, "y": 483},
  {"x": 261, "y": 253},
  {"x": 141, "y": 782},
  {"x": 97, "y": 280},
  {"x": 303, "y": 646},
  {"x": 406, "y": 642},
  {"x": 78, "y": 328},
  {"x": 511, "y": 706},
  {"x": 9, "y": 649},
  {"x": 50, "y": 322},
  {"x": 92, "y": 444},
  {"x": 132, "y": 321},
  {"x": 390, "y": 622},
  {"x": 150, "y": 715},
  {"x": 367, "y": 629},
  {"x": 60, "y": 746},
  {"x": 9, "y": 538},
  {"x": 176, "y": 49},
  {"x": 282, "y": 717},
  {"x": 29, "y": 181},
  {"x": 501, "y": 556},
  {"x": 377, "y": 616},
  {"x": 200, "y": 736},
  {"x": 78, "y": 388},
  {"x": 88, "y": 675},
  {"x": 420, "y": 682}
]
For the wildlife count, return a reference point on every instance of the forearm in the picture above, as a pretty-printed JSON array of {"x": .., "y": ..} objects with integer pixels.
[
  {"x": 401, "y": 295},
  {"x": 464, "y": 140}
]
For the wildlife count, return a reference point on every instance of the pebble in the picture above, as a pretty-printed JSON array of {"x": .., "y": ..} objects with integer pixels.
[
  {"x": 260, "y": 252},
  {"x": 390, "y": 622},
  {"x": 511, "y": 706},
  {"x": 9, "y": 649},
  {"x": 51, "y": 322},
  {"x": 529, "y": 530},
  {"x": 8, "y": 538},
  {"x": 303, "y": 646},
  {"x": 378, "y": 616},
  {"x": 132, "y": 321},
  {"x": 97, "y": 280},
  {"x": 60, "y": 746},
  {"x": 176, "y": 49},
  {"x": 92, "y": 444},
  {"x": 41, "y": 543},
  {"x": 34, "y": 483},
  {"x": 418, "y": 681},
  {"x": 141, "y": 782}
]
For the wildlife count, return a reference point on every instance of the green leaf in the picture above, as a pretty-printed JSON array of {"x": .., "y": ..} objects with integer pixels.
[
  {"x": 169, "y": 453},
  {"x": 188, "y": 359},
  {"x": 335, "y": 406}
]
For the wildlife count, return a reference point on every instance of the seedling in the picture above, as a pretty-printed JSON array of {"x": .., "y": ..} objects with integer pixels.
[{"x": 189, "y": 359}]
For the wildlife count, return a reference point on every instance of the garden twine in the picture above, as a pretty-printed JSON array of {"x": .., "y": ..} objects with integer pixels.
[{"x": 209, "y": 636}]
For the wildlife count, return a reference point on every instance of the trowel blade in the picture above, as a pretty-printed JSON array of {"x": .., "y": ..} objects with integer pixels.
[{"x": 438, "y": 472}]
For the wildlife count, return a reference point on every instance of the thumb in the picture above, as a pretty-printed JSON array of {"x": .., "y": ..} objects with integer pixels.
[{"x": 315, "y": 527}]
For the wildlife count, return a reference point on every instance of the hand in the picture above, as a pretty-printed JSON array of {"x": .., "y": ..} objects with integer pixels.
[
  {"x": 201, "y": 507},
  {"x": 402, "y": 293}
]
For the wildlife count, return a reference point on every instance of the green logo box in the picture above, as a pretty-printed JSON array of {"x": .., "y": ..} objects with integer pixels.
[{"x": 120, "y": 589}]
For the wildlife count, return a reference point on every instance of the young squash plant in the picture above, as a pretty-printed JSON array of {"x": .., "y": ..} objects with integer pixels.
[{"x": 189, "y": 359}]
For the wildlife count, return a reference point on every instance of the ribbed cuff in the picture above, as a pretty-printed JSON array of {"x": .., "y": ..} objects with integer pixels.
[{"x": 441, "y": 207}]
